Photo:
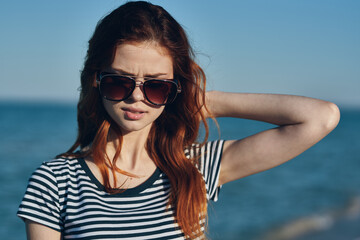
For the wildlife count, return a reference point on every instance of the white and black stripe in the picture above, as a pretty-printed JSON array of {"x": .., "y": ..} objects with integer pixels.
[{"x": 64, "y": 195}]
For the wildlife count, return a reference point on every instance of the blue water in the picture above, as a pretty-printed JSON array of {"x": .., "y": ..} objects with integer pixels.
[{"x": 320, "y": 181}]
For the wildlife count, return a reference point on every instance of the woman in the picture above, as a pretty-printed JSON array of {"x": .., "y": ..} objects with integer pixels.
[{"x": 135, "y": 170}]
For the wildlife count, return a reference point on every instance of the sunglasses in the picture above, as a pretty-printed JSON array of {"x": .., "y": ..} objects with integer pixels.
[{"x": 115, "y": 87}]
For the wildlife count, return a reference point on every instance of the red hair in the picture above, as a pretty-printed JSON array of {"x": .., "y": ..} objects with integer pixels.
[{"x": 175, "y": 129}]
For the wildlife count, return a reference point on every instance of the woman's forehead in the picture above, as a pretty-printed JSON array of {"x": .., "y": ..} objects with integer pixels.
[{"x": 142, "y": 59}]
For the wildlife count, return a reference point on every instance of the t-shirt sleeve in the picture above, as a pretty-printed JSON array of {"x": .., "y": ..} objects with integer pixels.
[
  {"x": 209, "y": 158},
  {"x": 41, "y": 200}
]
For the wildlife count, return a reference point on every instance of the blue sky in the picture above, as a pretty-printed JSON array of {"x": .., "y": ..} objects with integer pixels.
[{"x": 302, "y": 47}]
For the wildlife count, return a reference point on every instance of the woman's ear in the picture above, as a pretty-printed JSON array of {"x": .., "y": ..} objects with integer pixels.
[{"x": 95, "y": 79}]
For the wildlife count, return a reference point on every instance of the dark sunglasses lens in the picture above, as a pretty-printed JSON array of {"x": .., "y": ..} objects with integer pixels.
[
  {"x": 159, "y": 92},
  {"x": 116, "y": 87}
]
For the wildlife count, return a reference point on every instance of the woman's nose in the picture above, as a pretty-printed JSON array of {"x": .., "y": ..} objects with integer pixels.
[{"x": 138, "y": 94}]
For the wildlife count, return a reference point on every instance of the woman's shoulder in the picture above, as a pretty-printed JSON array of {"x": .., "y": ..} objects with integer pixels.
[
  {"x": 59, "y": 166},
  {"x": 198, "y": 149},
  {"x": 206, "y": 156},
  {"x": 207, "y": 159}
]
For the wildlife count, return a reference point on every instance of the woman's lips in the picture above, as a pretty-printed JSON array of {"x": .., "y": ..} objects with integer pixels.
[{"x": 133, "y": 113}]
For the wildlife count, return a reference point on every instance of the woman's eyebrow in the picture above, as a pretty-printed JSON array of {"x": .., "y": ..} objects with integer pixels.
[
  {"x": 151, "y": 75},
  {"x": 122, "y": 72},
  {"x": 155, "y": 75}
]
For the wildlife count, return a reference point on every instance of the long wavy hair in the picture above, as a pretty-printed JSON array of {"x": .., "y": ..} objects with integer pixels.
[{"x": 175, "y": 129}]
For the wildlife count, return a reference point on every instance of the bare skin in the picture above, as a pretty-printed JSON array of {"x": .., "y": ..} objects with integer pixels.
[
  {"x": 302, "y": 123},
  {"x": 36, "y": 231}
]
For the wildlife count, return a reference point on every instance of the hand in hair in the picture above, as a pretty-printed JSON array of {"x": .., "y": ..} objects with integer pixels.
[{"x": 302, "y": 122}]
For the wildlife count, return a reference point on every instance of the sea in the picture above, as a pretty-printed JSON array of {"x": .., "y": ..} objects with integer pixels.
[{"x": 315, "y": 196}]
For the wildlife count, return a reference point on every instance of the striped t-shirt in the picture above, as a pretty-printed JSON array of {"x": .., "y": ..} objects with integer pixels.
[{"x": 64, "y": 195}]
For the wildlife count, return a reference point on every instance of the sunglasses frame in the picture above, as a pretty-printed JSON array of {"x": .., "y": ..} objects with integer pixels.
[{"x": 102, "y": 75}]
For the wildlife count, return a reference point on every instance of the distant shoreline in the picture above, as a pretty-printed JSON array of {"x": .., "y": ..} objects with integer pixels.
[{"x": 69, "y": 102}]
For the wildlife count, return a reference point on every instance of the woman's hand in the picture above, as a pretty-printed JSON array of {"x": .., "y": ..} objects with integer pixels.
[{"x": 301, "y": 121}]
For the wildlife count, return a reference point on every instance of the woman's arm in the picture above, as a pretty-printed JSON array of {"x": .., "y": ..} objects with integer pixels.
[
  {"x": 36, "y": 231},
  {"x": 302, "y": 122}
]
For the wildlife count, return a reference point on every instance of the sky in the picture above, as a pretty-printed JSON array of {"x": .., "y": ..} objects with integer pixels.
[{"x": 301, "y": 47}]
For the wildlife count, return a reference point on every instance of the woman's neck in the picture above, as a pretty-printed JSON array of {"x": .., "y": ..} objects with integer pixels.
[{"x": 133, "y": 156}]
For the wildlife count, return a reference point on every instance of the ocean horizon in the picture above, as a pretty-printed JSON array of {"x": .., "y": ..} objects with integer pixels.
[{"x": 315, "y": 196}]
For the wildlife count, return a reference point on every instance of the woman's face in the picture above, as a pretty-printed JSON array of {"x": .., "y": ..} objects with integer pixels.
[{"x": 138, "y": 60}]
